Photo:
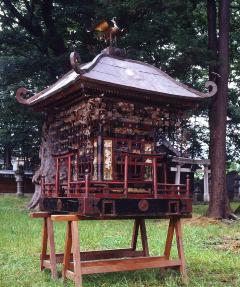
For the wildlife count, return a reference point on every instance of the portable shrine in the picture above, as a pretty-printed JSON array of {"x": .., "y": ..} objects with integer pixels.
[
  {"x": 104, "y": 120},
  {"x": 102, "y": 147}
]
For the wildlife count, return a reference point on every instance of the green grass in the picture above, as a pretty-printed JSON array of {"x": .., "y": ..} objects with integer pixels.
[{"x": 212, "y": 250}]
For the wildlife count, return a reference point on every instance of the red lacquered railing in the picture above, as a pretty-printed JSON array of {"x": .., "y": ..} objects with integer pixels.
[{"x": 125, "y": 188}]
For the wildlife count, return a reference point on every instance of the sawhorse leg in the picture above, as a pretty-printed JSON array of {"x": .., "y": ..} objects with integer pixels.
[
  {"x": 47, "y": 261},
  {"x": 175, "y": 225},
  {"x": 139, "y": 223},
  {"x": 72, "y": 244},
  {"x": 48, "y": 236}
]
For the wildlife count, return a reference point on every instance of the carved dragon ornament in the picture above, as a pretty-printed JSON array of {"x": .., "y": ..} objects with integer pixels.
[
  {"x": 212, "y": 88},
  {"x": 21, "y": 92}
]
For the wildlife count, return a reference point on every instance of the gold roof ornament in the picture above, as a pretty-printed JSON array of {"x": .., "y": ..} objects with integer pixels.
[
  {"x": 109, "y": 32},
  {"x": 102, "y": 26}
]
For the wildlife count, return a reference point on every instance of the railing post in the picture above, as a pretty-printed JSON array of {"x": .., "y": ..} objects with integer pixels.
[
  {"x": 69, "y": 174},
  {"x": 126, "y": 175},
  {"x": 165, "y": 188},
  {"x": 165, "y": 173},
  {"x": 57, "y": 177},
  {"x": 77, "y": 167},
  {"x": 155, "y": 187},
  {"x": 86, "y": 185},
  {"x": 187, "y": 186},
  {"x": 100, "y": 151}
]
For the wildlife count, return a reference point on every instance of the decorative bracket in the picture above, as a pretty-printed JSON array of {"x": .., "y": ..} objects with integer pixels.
[
  {"x": 75, "y": 61},
  {"x": 213, "y": 86},
  {"x": 19, "y": 95}
]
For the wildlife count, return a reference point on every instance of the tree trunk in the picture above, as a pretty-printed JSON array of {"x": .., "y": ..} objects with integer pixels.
[
  {"x": 212, "y": 38},
  {"x": 47, "y": 167},
  {"x": 219, "y": 206}
]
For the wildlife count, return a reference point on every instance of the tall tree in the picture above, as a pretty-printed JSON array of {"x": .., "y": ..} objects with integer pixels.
[{"x": 219, "y": 206}]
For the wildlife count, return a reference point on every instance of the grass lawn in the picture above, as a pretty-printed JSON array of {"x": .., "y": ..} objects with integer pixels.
[{"x": 212, "y": 250}]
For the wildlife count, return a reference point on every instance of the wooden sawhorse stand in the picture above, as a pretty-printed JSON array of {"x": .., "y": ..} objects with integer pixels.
[{"x": 76, "y": 263}]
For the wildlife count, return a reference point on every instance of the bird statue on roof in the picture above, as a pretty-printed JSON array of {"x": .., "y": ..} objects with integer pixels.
[{"x": 108, "y": 32}]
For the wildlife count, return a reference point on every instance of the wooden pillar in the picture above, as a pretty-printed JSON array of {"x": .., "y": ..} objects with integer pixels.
[
  {"x": 206, "y": 184},
  {"x": 100, "y": 147},
  {"x": 165, "y": 173},
  {"x": 77, "y": 167},
  {"x": 126, "y": 174},
  {"x": 187, "y": 185},
  {"x": 86, "y": 185},
  {"x": 155, "y": 185},
  {"x": 69, "y": 174},
  {"x": 57, "y": 177}
]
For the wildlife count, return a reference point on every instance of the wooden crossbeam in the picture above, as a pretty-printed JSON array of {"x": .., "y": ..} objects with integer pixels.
[
  {"x": 65, "y": 217},
  {"x": 126, "y": 264},
  {"x": 101, "y": 254},
  {"x": 39, "y": 214}
]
